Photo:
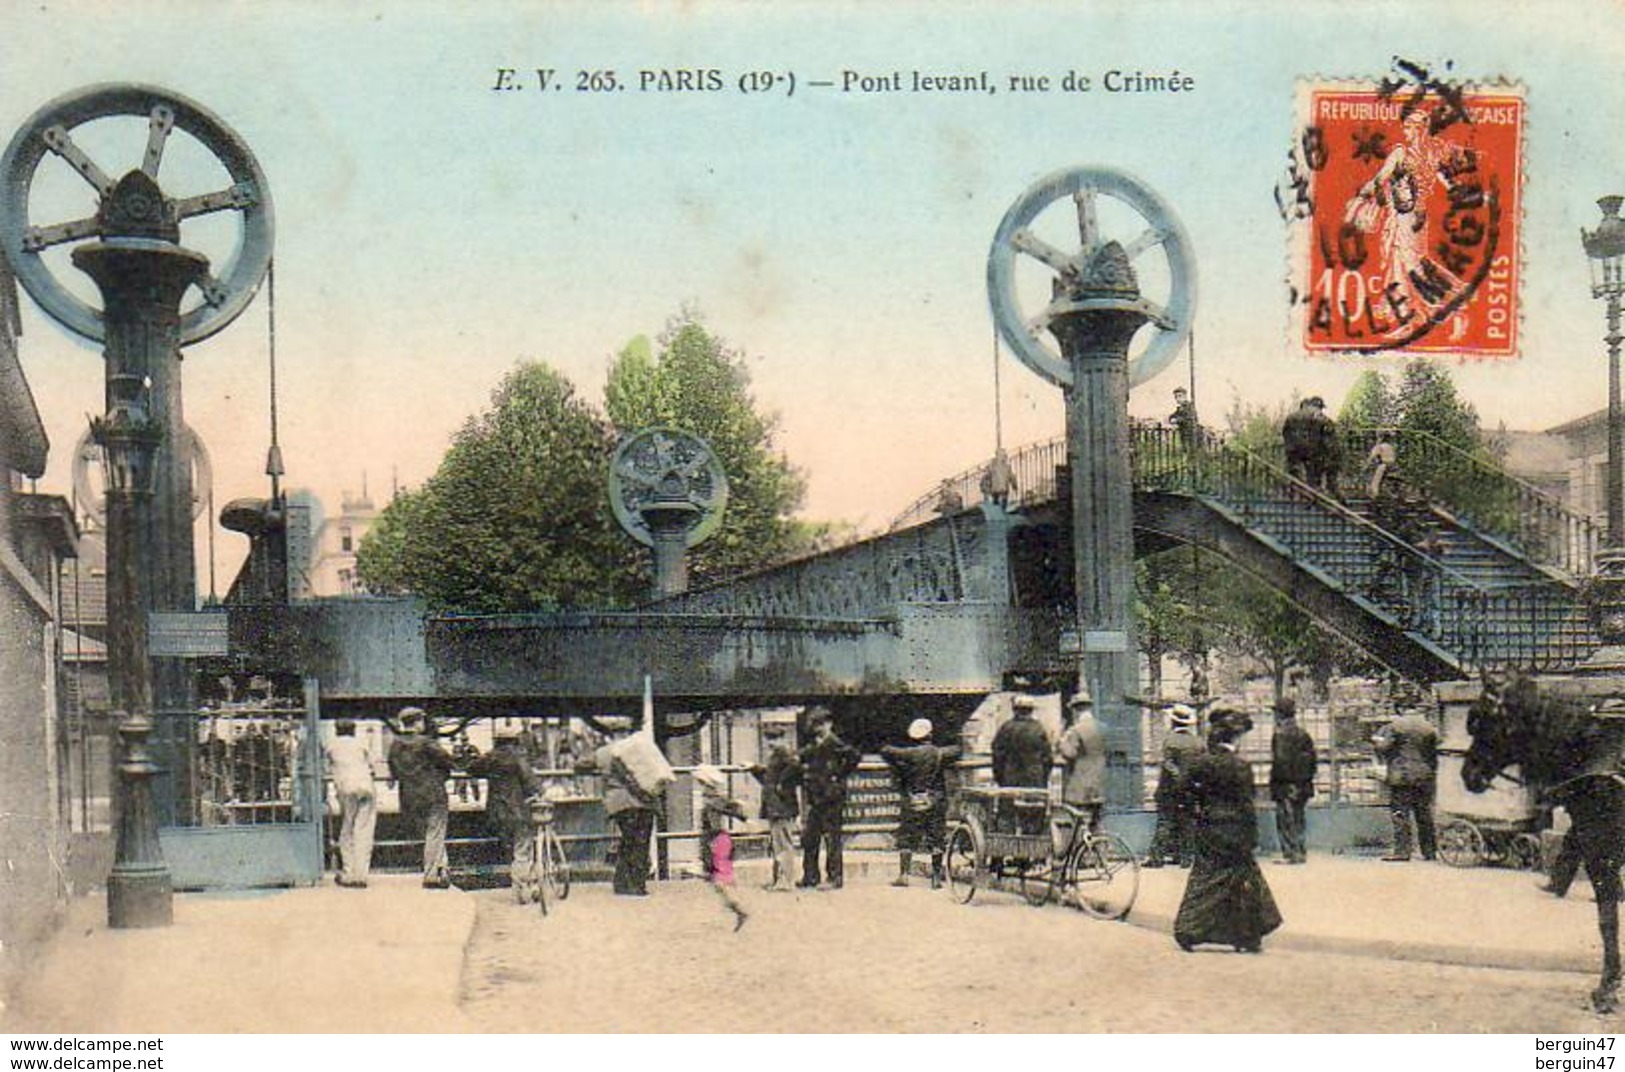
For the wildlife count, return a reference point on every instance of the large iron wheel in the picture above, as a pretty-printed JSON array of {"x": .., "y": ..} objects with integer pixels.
[
  {"x": 964, "y": 862},
  {"x": 1461, "y": 844},
  {"x": 51, "y": 132},
  {"x": 1103, "y": 876},
  {"x": 1025, "y": 328}
]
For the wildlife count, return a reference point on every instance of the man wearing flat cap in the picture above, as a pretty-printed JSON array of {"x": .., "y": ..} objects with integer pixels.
[
  {"x": 780, "y": 776},
  {"x": 826, "y": 762},
  {"x": 1021, "y": 750},
  {"x": 1292, "y": 779},
  {"x": 920, "y": 770},
  {"x": 1410, "y": 747},
  {"x": 420, "y": 768},
  {"x": 509, "y": 785}
]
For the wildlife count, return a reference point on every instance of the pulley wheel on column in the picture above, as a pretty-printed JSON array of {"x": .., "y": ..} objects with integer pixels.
[
  {"x": 1105, "y": 205},
  {"x": 66, "y": 158},
  {"x": 666, "y": 465}
]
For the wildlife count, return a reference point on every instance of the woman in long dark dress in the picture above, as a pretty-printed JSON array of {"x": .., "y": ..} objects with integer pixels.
[{"x": 1227, "y": 901}]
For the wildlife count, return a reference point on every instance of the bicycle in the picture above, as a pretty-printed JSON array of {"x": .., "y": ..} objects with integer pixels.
[
  {"x": 1022, "y": 828},
  {"x": 549, "y": 877}
]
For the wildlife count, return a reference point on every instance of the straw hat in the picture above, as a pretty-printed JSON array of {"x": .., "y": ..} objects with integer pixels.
[
  {"x": 1182, "y": 715},
  {"x": 919, "y": 729}
]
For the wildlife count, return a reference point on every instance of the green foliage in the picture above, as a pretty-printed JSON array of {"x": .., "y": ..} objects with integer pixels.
[
  {"x": 1369, "y": 404},
  {"x": 515, "y": 519},
  {"x": 698, "y": 384},
  {"x": 1258, "y": 428},
  {"x": 1256, "y": 622},
  {"x": 1192, "y": 603}
]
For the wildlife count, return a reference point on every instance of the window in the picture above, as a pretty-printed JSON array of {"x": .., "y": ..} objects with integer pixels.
[{"x": 346, "y": 543}]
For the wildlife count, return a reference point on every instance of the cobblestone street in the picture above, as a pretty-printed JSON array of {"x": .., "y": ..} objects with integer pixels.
[{"x": 871, "y": 958}]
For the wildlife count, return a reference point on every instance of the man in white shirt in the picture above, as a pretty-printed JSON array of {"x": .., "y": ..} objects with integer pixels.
[{"x": 351, "y": 768}]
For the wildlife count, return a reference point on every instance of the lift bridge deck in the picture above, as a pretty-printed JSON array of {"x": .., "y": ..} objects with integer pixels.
[{"x": 955, "y": 600}]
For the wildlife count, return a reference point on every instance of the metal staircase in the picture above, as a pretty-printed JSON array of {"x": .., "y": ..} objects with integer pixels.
[{"x": 1473, "y": 567}]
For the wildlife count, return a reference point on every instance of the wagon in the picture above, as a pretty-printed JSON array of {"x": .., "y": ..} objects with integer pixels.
[
  {"x": 1044, "y": 846},
  {"x": 1498, "y": 826}
]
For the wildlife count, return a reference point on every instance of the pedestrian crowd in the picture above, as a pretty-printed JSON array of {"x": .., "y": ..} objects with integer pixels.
[{"x": 1205, "y": 815}]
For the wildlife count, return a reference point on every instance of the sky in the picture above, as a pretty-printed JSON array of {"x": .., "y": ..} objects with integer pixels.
[{"x": 432, "y": 230}]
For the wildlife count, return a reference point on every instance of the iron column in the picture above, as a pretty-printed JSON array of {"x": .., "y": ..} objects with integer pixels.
[
  {"x": 143, "y": 273},
  {"x": 1095, "y": 320}
]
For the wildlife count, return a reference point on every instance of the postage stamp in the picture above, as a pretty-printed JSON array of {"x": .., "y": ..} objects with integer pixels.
[{"x": 1406, "y": 194}]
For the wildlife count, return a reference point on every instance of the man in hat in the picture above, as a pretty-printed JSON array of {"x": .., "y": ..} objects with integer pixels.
[
  {"x": 631, "y": 811},
  {"x": 350, "y": 764},
  {"x": 1022, "y": 758},
  {"x": 420, "y": 768},
  {"x": 509, "y": 785},
  {"x": 1292, "y": 779},
  {"x": 1410, "y": 747},
  {"x": 1021, "y": 750},
  {"x": 1186, "y": 426},
  {"x": 1309, "y": 438},
  {"x": 1083, "y": 755},
  {"x": 826, "y": 762},
  {"x": 920, "y": 769},
  {"x": 1172, "y": 841},
  {"x": 780, "y": 776}
]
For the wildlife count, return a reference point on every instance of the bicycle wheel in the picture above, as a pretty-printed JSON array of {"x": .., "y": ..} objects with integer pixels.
[
  {"x": 1461, "y": 844},
  {"x": 963, "y": 863},
  {"x": 556, "y": 875},
  {"x": 1037, "y": 882},
  {"x": 1104, "y": 876}
]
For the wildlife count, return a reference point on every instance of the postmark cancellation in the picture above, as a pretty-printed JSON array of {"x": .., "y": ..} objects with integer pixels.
[{"x": 1403, "y": 199}]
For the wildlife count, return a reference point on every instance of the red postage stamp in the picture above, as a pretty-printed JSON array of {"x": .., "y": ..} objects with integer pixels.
[{"x": 1409, "y": 196}]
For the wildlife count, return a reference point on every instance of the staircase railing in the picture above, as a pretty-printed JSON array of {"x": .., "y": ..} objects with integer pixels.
[
  {"x": 1480, "y": 494},
  {"x": 1481, "y": 626}
]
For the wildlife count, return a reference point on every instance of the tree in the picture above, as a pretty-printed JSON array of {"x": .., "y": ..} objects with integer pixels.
[
  {"x": 1257, "y": 622},
  {"x": 1443, "y": 451},
  {"x": 1429, "y": 405},
  {"x": 698, "y": 384},
  {"x": 515, "y": 519},
  {"x": 1369, "y": 404},
  {"x": 1173, "y": 607}
]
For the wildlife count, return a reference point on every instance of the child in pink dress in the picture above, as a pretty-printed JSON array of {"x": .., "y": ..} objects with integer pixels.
[{"x": 716, "y": 844}]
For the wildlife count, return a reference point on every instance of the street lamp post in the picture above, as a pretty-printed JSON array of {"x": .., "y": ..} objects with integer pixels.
[
  {"x": 1605, "y": 248},
  {"x": 139, "y": 892},
  {"x": 1605, "y": 591}
]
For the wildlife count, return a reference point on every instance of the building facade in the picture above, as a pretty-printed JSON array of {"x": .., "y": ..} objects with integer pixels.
[
  {"x": 333, "y": 557},
  {"x": 36, "y": 533}
]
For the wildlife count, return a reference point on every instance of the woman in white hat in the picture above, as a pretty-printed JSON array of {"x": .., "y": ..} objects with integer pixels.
[{"x": 920, "y": 769}]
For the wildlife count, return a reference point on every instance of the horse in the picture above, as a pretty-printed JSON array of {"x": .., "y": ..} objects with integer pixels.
[{"x": 1570, "y": 751}]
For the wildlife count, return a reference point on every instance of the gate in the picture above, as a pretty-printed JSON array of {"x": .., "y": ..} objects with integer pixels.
[{"x": 246, "y": 781}]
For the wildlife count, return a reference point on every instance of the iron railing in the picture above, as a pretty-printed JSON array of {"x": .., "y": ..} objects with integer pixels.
[
  {"x": 1525, "y": 623},
  {"x": 1478, "y": 493}
]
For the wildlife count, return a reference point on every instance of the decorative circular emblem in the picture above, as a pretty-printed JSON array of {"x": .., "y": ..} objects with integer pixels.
[
  {"x": 1023, "y": 307},
  {"x": 663, "y": 468},
  {"x": 54, "y": 154}
]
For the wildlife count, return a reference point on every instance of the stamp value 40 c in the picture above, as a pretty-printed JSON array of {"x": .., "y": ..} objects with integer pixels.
[{"x": 1407, "y": 196}]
